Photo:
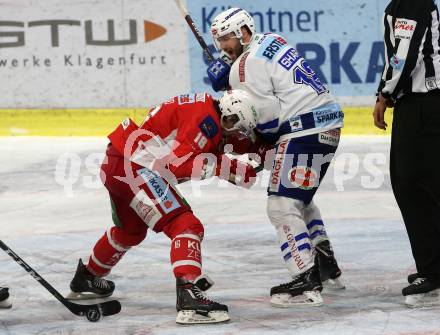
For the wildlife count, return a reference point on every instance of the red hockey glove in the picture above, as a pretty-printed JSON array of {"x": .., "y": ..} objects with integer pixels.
[
  {"x": 241, "y": 144},
  {"x": 236, "y": 172}
]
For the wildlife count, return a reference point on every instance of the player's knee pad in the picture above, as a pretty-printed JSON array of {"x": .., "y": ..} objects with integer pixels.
[
  {"x": 186, "y": 233},
  {"x": 287, "y": 215}
]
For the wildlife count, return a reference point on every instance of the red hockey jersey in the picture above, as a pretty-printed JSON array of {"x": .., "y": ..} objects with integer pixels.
[{"x": 174, "y": 133}]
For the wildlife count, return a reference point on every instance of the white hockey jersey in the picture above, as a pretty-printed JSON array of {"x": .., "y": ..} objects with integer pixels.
[{"x": 290, "y": 99}]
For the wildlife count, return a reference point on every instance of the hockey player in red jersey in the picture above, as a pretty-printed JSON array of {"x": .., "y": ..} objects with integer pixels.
[{"x": 179, "y": 140}]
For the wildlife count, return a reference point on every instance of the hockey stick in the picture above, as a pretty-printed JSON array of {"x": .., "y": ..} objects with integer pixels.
[
  {"x": 195, "y": 30},
  {"x": 92, "y": 312}
]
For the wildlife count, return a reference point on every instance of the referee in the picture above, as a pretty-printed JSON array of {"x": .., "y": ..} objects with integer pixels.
[{"x": 410, "y": 83}]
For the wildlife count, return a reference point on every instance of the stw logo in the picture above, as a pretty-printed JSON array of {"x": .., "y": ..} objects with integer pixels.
[{"x": 148, "y": 31}]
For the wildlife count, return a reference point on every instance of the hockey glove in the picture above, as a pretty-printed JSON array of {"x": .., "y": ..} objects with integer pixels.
[
  {"x": 241, "y": 144},
  {"x": 218, "y": 74},
  {"x": 236, "y": 172}
]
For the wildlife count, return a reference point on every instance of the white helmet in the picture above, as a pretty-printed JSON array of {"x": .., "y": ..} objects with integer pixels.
[
  {"x": 230, "y": 21},
  {"x": 239, "y": 104}
]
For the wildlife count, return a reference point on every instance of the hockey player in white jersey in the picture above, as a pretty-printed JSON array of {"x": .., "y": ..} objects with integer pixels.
[{"x": 277, "y": 98}]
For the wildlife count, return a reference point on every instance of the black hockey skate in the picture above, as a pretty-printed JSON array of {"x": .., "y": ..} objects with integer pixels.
[
  {"x": 85, "y": 285},
  {"x": 328, "y": 267},
  {"x": 303, "y": 290},
  {"x": 422, "y": 292},
  {"x": 4, "y": 298},
  {"x": 194, "y": 307}
]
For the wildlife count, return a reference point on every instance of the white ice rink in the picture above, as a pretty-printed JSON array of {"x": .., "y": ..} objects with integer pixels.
[{"x": 51, "y": 226}]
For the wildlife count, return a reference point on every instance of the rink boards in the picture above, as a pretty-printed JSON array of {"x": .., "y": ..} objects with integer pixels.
[{"x": 99, "y": 122}]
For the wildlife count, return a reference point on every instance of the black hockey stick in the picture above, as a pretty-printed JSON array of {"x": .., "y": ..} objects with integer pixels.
[
  {"x": 195, "y": 30},
  {"x": 92, "y": 312}
]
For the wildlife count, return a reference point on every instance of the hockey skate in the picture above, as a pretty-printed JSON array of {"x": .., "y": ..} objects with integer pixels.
[
  {"x": 85, "y": 285},
  {"x": 422, "y": 293},
  {"x": 304, "y": 290},
  {"x": 4, "y": 298},
  {"x": 194, "y": 307},
  {"x": 328, "y": 267}
]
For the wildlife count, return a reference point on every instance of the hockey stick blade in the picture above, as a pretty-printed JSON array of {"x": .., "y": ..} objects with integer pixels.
[
  {"x": 92, "y": 312},
  {"x": 106, "y": 308}
]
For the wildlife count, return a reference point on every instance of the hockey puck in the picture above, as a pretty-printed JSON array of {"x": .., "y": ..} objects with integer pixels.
[{"x": 93, "y": 315}]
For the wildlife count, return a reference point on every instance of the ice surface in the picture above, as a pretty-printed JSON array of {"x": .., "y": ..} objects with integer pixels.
[{"x": 51, "y": 226}]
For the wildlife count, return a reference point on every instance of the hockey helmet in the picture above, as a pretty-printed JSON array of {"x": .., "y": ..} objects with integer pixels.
[
  {"x": 231, "y": 21},
  {"x": 238, "y": 113}
]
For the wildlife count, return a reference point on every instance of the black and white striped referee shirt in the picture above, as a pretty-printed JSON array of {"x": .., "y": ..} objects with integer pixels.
[{"x": 412, "y": 48}]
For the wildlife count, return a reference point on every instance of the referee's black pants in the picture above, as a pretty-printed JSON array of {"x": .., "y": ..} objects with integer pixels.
[{"x": 415, "y": 176}]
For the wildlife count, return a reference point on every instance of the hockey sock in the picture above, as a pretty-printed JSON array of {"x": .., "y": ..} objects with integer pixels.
[{"x": 106, "y": 254}]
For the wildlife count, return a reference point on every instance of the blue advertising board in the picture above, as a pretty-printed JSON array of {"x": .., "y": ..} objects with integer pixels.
[{"x": 341, "y": 39}]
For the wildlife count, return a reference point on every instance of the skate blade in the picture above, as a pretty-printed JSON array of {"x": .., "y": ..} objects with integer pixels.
[
  {"x": 423, "y": 300},
  {"x": 85, "y": 295},
  {"x": 5, "y": 304},
  {"x": 333, "y": 284},
  {"x": 307, "y": 299},
  {"x": 187, "y": 317}
]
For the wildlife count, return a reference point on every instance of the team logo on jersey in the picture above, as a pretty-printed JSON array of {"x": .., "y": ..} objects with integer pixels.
[
  {"x": 209, "y": 127},
  {"x": 303, "y": 177},
  {"x": 396, "y": 63}
]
